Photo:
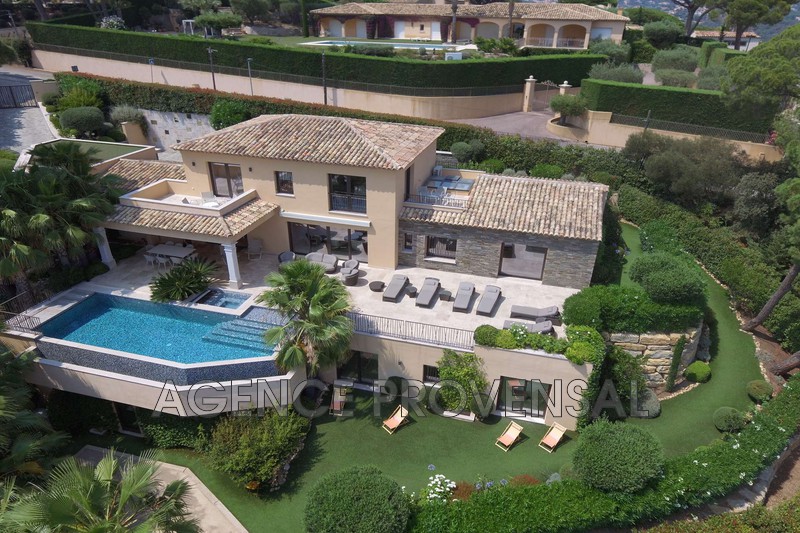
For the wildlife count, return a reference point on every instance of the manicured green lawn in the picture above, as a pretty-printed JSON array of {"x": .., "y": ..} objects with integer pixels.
[
  {"x": 459, "y": 450},
  {"x": 686, "y": 420}
]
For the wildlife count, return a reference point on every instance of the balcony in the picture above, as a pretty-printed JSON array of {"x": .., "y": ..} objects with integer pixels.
[
  {"x": 541, "y": 42},
  {"x": 571, "y": 43},
  {"x": 439, "y": 200},
  {"x": 350, "y": 203}
]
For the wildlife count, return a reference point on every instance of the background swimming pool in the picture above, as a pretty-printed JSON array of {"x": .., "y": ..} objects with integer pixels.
[
  {"x": 413, "y": 46},
  {"x": 226, "y": 299},
  {"x": 163, "y": 331}
]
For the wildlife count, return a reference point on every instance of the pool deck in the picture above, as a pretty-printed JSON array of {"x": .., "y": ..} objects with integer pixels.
[{"x": 132, "y": 276}]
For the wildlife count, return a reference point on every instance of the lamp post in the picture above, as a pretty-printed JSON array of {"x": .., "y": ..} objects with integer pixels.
[
  {"x": 152, "y": 62},
  {"x": 211, "y": 62},
  {"x": 250, "y": 74},
  {"x": 324, "y": 82}
]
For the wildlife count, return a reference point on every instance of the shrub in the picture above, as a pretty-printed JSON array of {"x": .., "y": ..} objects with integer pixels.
[
  {"x": 677, "y": 355},
  {"x": 82, "y": 119},
  {"x": 759, "y": 390},
  {"x": 668, "y": 278},
  {"x": 698, "y": 372},
  {"x": 616, "y": 52},
  {"x": 608, "y": 71},
  {"x": 462, "y": 152},
  {"x": 492, "y": 166},
  {"x": 112, "y": 22},
  {"x": 678, "y": 104},
  {"x": 710, "y": 78},
  {"x": 50, "y": 99},
  {"x": 675, "y": 78},
  {"x": 617, "y": 457},
  {"x": 478, "y": 149},
  {"x": 707, "y": 49},
  {"x": 80, "y": 97},
  {"x": 218, "y": 21},
  {"x": 478, "y": 402},
  {"x": 642, "y": 51},
  {"x": 78, "y": 413},
  {"x": 486, "y": 335},
  {"x": 226, "y": 113},
  {"x": 190, "y": 277},
  {"x": 568, "y": 105},
  {"x": 661, "y": 34},
  {"x": 360, "y": 498},
  {"x": 465, "y": 369},
  {"x": 255, "y": 450},
  {"x": 729, "y": 420},
  {"x": 676, "y": 59},
  {"x": 126, "y": 113},
  {"x": 648, "y": 403},
  {"x": 506, "y": 340},
  {"x": 545, "y": 170},
  {"x": 171, "y": 431}
]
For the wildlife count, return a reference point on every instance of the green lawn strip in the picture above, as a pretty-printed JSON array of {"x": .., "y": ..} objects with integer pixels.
[{"x": 686, "y": 420}]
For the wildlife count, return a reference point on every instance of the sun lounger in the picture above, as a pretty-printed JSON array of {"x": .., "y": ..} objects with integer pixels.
[
  {"x": 398, "y": 418},
  {"x": 463, "y": 297},
  {"x": 427, "y": 294},
  {"x": 395, "y": 289},
  {"x": 537, "y": 327},
  {"x": 489, "y": 300},
  {"x": 533, "y": 313},
  {"x": 509, "y": 436},
  {"x": 552, "y": 437},
  {"x": 338, "y": 400}
]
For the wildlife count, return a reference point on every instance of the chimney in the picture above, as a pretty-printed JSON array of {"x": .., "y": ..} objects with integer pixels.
[{"x": 619, "y": 11}]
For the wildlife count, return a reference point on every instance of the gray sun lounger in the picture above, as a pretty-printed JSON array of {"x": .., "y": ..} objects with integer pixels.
[
  {"x": 463, "y": 297},
  {"x": 533, "y": 313},
  {"x": 428, "y": 292},
  {"x": 395, "y": 288},
  {"x": 538, "y": 327},
  {"x": 489, "y": 300}
]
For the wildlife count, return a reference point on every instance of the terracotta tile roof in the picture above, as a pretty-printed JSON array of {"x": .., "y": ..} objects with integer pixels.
[
  {"x": 135, "y": 174},
  {"x": 319, "y": 139},
  {"x": 540, "y": 11},
  {"x": 714, "y": 34},
  {"x": 555, "y": 208},
  {"x": 228, "y": 225}
]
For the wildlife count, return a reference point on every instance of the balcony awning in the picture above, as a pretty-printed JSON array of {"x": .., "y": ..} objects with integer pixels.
[{"x": 305, "y": 218}]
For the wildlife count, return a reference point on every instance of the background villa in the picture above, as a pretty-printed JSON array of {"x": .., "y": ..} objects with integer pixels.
[{"x": 539, "y": 25}]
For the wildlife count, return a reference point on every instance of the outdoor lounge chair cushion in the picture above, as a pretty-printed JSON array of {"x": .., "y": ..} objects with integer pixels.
[
  {"x": 286, "y": 257},
  {"x": 489, "y": 300},
  {"x": 327, "y": 261},
  {"x": 351, "y": 263},
  {"x": 395, "y": 288},
  {"x": 463, "y": 296},
  {"x": 538, "y": 327},
  {"x": 428, "y": 292},
  {"x": 521, "y": 311}
]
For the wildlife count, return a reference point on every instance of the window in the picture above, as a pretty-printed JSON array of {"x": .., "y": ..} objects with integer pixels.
[
  {"x": 430, "y": 374},
  {"x": 422, "y": 27},
  {"x": 441, "y": 247},
  {"x": 408, "y": 242},
  {"x": 347, "y": 193},
  {"x": 226, "y": 179},
  {"x": 408, "y": 183},
  {"x": 283, "y": 182}
]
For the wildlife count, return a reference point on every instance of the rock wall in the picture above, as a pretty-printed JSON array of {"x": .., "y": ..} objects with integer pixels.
[{"x": 657, "y": 350}]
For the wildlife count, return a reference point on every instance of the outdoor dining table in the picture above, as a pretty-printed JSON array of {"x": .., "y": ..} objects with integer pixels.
[{"x": 171, "y": 250}]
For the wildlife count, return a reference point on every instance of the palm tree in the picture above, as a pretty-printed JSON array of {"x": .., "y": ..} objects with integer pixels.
[
  {"x": 111, "y": 497},
  {"x": 318, "y": 331},
  {"x": 511, "y": 6},
  {"x": 454, "y": 8},
  {"x": 70, "y": 156}
]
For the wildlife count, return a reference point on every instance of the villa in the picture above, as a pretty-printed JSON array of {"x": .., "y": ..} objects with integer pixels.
[
  {"x": 534, "y": 24},
  {"x": 279, "y": 186}
]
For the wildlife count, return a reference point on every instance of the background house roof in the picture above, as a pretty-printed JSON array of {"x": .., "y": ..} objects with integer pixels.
[
  {"x": 555, "y": 208},
  {"x": 320, "y": 139},
  {"x": 538, "y": 11},
  {"x": 228, "y": 225},
  {"x": 135, "y": 174}
]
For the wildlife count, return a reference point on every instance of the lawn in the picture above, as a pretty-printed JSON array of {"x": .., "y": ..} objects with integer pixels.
[
  {"x": 459, "y": 450},
  {"x": 686, "y": 420}
]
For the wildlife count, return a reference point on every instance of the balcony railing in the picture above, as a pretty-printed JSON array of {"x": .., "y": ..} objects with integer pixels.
[
  {"x": 414, "y": 331},
  {"x": 19, "y": 322},
  {"x": 545, "y": 42},
  {"x": 571, "y": 43},
  {"x": 348, "y": 202},
  {"x": 438, "y": 200}
]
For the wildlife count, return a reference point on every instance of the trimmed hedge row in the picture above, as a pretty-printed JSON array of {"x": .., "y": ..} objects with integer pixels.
[
  {"x": 707, "y": 49},
  {"x": 307, "y": 62},
  {"x": 691, "y": 106},
  {"x": 750, "y": 280},
  {"x": 721, "y": 55},
  {"x": 701, "y": 476}
]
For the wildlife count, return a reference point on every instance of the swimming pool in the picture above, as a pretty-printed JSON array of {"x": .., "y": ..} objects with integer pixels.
[
  {"x": 412, "y": 46},
  {"x": 221, "y": 298},
  {"x": 162, "y": 331}
]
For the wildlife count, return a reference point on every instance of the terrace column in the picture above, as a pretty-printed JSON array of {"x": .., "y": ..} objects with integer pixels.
[
  {"x": 555, "y": 37},
  {"x": 529, "y": 94},
  {"x": 234, "y": 278},
  {"x": 105, "y": 249}
]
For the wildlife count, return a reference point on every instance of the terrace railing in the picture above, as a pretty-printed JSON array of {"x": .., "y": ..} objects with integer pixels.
[
  {"x": 20, "y": 322},
  {"x": 395, "y": 328},
  {"x": 543, "y": 42},
  {"x": 438, "y": 200},
  {"x": 693, "y": 129}
]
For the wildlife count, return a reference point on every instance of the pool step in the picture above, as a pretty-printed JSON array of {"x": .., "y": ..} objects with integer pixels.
[{"x": 242, "y": 333}]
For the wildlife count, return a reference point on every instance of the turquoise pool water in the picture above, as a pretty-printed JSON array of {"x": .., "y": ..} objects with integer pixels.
[
  {"x": 226, "y": 299},
  {"x": 163, "y": 331}
]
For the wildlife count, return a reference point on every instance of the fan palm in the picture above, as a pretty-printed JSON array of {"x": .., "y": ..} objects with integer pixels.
[
  {"x": 111, "y": 497},
  {"x": 70, "y": 156},
  {"x": 318, "y": 330}
]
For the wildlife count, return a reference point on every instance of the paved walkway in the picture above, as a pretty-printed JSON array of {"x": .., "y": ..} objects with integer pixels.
[
  {"x": 22, "y": 127},
  {"x": 212, "y": 515},
  {"x": 531, "y": 125}
]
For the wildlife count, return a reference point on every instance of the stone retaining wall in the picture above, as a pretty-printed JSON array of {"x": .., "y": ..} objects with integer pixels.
[{"x": 657, "y": 349}]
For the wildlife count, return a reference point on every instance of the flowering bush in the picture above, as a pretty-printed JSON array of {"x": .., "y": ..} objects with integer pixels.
[
  {"x": 439, "y": 489},
  {"x": 112, "y": 22}
]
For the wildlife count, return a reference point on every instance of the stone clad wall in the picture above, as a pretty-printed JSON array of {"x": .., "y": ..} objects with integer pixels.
[{"x": 657, "y": 349}]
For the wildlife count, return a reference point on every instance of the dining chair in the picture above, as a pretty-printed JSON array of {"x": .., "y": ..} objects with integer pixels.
[
  {"x": 163, "y": 261},
  {"x": 151, "y": 260}
]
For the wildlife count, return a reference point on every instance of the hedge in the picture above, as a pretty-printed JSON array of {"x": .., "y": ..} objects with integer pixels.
[
  {"x": 721, "y": 55},
  {"x": 307, "y": 62},
  {"x": 677, "y": 104},
  {"x": 699, "y": 477},
  {"x": 80, "y": 19},
  {"x": 707, "y": 49},
  {"x": 750, "y": 280}
]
